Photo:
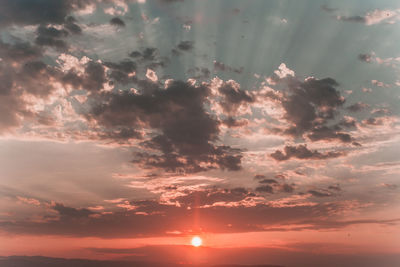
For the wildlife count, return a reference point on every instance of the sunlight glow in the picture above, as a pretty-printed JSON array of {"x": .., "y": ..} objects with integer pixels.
[{"x": 196, "y": 241}]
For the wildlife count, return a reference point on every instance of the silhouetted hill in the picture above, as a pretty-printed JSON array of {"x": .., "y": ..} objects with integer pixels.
[{"x": 38, "y": 261}]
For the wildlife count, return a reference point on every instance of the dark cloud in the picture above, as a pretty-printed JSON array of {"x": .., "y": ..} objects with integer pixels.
[
  {"x": 310, "y": 107},
  {"x": 264, "y": 189},
  {"x": 92, "y": 80},
  {"x": 328, "y": 133},
  {"x": 50, "y": 36},
  {"x": 328, "y": 9},
  {"x": 310, "y": 104},
  {"x": 17, "y": 76},
  {"x": 121, "y": 72},
  {"x": 358, "y": 19},
  {"x": 71, "y": 213},
  {"x": 26, "y": 12},
  {"x": 19, "y": 51},
  {"x": 359, "y": 106},
  {"x": 185, "y": 45},
  {"x": 259, "y": 176},
  {"x": 348, "y": 122},
  {"x": 219, "y": 66},
  {"x": 380, "y": 112},
  {"x": 199, "y": 73},
  {"x": 149, "y": 53},
  {"x": 287, "y": 188},
  {"x": 269, "y": 185},
  {"x": 316, "y": 193},
  {"x": 302, "y": 152},
  {"x": 117, "y": 22},
  {"x": 335, "y": 188},
  {"x": 71, "y": 25},
  {"x": 231, "y": 122},
  {"x": 148, "y": 58},
  {"x": 268, "y": 181},
  {"x": 233, "y": 97},
  {"x": 365, "y": 57},
  {"x": 135, "y": 54},
  {"x": 373, "y": 121},
  {"x": 186, "y": 131}
]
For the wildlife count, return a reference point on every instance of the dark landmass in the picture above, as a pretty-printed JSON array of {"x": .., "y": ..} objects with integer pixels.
[{"x": 39, "y": 261}]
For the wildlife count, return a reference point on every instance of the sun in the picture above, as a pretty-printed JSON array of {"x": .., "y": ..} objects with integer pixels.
[{"x": 196, "y": 241}]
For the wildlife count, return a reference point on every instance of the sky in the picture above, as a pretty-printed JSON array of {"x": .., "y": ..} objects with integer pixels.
[{"x": 270, "y": 129}]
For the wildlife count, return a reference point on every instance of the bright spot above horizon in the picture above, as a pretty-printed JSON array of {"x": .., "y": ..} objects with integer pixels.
[{"x": 196, "y": 241}]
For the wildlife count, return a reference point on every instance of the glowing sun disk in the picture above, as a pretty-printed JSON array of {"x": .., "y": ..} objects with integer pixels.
[{"x": 196, "y": 241}]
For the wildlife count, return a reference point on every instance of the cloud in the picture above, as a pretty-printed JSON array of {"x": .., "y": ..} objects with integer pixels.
[
  {"x": 229, "y": 213},
  {"x": 302, "y": 152},
  {"x": 356, "y": 107},
  {"x": 264, "y": 189},
  {"x": 328, "y": 9},
  {"x": 24, "y": 79},
  {"x": 319, "y": 193},
  {"x": 311, "y": 104},
  {"x": 50, "y": 36},
  {"x": 186, "y": 132},
  {"x": 19, "y": 51},
  {"x": 283, "y": 71},
  {"x": 365, "y": 57},
  {"x": 308, "y": 107},
  {"x": 376, "y": 16},
  {"x": 121, "y": 72},
  {"x": 268, "y": 181},
  {"x": 233, "y": 97},
  {"x": 219, "y": 66},
  {"x": 117, "y": 22},
  {"x": 185, "y": 45},
  {"x": 22, "y": 12},
  {"x": 71, "y": 25},
  {"x": 71, "y": 213}
]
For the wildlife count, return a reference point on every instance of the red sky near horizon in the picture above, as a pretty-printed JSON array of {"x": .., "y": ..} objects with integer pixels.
[{"x": 269, "y": 129}]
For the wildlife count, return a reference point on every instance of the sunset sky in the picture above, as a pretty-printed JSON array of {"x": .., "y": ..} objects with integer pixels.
[{"x": 270, "y": 129}]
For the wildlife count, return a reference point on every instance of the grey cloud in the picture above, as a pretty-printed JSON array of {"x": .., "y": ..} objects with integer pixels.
[
  {"x": 50, "y": 36},
  {"x": 186, "y": 131},
  {"x": 150, "y": 218},
  {"x": 268, "y": 181},
  {"x": 117, "y": 22},
  {"x": 327, "y": 133},
  {"x": 309, "y": 106},
  {"x": 26, "y": 12},
  {"x": 328, "y": 9},
  {"x": 71, "y": 25},
  {"x": 365, "y": 57},
  {"x": 199, "y": 73},
  {"x": 287, "y": 188},
  {"x": 373, "y": 121},
  {"x": 316, "y": 193},
  {"x": 233, "y": 97},
  {"x": 19, "y": 51},
  {"x": 359, "y": 106},
  {"x": 185, "y": 45},
  {"x": 264, "y": 189},
  {"x": 359, "y": 19},
  {"x": 302, "y": 152},
  {"x": 219, "y": 66},
  {"x": 71, "y": 213}
]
